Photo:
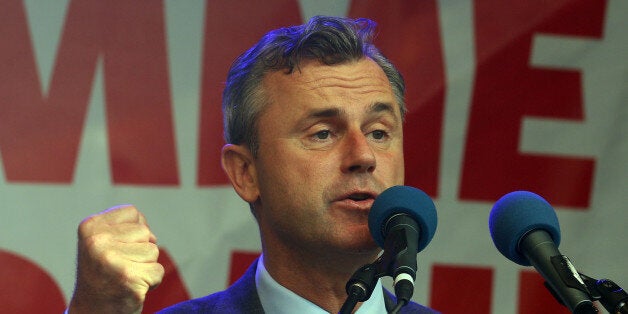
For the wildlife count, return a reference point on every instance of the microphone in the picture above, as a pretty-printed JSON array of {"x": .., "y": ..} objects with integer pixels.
[
  {"x": 402, "y": 221},
  {"x": 525, "y": 229}
]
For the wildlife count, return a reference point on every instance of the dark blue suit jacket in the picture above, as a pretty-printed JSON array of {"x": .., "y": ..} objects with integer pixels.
[{"x": 242, "y": 297}]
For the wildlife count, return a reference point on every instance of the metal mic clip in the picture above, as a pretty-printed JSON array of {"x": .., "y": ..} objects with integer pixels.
[{"x": 613, "y": 297}]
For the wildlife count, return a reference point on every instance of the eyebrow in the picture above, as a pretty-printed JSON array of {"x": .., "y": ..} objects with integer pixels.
[
  {"x": 382, "y": 107},
  {"x": 325, "y": 113},
  {"x": 376, "y": 107}
]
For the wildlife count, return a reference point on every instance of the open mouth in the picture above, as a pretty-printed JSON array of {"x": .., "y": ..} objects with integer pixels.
[
  {"x": 359, "y": 196},
  {"x": 360, "y": 201}
]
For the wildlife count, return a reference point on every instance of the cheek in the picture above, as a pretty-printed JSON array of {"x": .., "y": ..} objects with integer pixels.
[
  {"x": 400, "y": 166},
  {"x": 392, "y": 166},
  {"x": 310, "y": 175},
  {"x": 290, "y": 170}
]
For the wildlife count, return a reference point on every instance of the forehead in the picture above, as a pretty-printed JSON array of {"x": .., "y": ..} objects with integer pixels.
[{"x": 313, "y": 82}]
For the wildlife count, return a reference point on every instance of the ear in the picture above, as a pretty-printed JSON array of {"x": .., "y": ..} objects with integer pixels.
[{"x": 237, "y": 162}]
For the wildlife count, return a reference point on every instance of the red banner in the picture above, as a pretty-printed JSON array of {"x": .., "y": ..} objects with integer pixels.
[{"x": 114, "y": 102}]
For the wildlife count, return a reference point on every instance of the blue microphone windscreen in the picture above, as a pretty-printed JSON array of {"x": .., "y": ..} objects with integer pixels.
[
  {"x": 516, "y": 214},
  {"x": 408, "y": 200}
]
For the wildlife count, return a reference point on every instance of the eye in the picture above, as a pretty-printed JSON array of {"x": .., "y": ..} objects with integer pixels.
[
  {"x": 378, "y": 134},
  {"x": 322, "y": 135}
]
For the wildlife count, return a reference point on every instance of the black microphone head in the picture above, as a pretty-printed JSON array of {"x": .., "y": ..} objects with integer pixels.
[
  {"x": 516, "y": 214},
  {"x": 403, "y": 200}
]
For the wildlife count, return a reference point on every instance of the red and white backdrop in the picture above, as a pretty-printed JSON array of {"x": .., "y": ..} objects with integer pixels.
[{"x": 109, "y": 102}]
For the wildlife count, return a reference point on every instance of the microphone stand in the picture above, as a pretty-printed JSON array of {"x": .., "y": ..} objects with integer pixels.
[
  {"x": 361, "y": 284},
  {"x": 360, "y": 287}
]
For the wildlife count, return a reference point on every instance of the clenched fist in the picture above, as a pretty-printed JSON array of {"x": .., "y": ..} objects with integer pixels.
[{"x": 116, "y": 263}]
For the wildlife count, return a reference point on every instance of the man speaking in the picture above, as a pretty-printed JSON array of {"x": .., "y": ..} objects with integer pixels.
[{"x": 313, "y": 120}]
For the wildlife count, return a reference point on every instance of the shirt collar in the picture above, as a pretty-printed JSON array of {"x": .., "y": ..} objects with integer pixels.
[{"x": 277, "y": 299}]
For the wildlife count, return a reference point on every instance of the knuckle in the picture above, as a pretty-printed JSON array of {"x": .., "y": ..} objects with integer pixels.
[
  {"x": 143, "y": 229},
  {"x": 97, "y": 242},
  {"x": 157, "y": 272},
  {"x": 85, "y": 227},
  {"x": 147, "y": 253},
  {"x": 160, "y": 270},
  {"x": 109, "y": 257},
  {"x": 153, "y": 250},
  {"x": 130, "y": 278},
  {"x": 127, "y": 275}
]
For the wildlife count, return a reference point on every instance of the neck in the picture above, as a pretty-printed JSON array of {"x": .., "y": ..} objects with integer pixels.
[{"x": 319, "y": 278}]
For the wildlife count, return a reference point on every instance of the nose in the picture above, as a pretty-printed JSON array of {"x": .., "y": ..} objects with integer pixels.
[{"x": 358, "y": 154}]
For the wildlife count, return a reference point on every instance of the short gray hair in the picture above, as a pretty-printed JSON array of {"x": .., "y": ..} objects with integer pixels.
[{"x": 330, "y": 40}]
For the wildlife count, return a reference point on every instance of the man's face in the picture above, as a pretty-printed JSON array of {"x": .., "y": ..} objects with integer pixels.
[{"x": 330, "y": 142}]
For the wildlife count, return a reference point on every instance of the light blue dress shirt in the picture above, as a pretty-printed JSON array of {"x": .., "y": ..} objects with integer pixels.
[{"x": 276, "y": 299}]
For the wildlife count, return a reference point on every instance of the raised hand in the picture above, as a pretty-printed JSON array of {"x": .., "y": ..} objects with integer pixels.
[{"x": 116, "y": 264}]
